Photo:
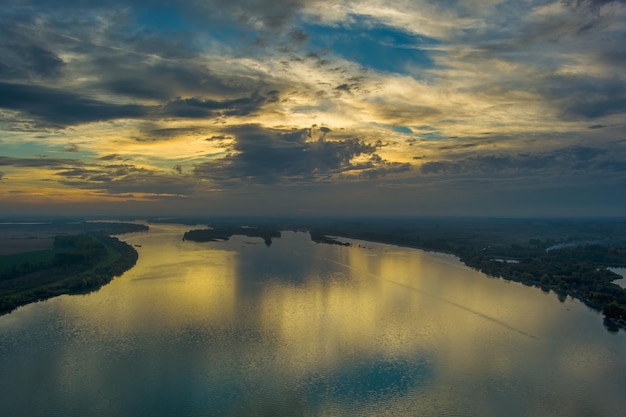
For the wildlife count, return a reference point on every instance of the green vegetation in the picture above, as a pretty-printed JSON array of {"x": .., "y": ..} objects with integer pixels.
[
  {"x": 77, "y": 264},
  {"x": 579, "y": 272}
]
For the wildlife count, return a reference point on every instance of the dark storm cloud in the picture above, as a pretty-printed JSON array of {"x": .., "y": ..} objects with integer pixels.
[
  {"x": 457, "y": 146},
  {"x": 587, "y": 160},
  {"x": 113, "y": 178},
  {"x": 592, "y": 107},
  {"x": 615, "y": 55},
  {"x": 150, "y": 131},
  {"x": 51, "y": 106},
  {"x": 198, "y": 108},
  {"x": 585, "y": 97},
  {"x": 111, "y": 157},
  {"x": 125, "y": 54},
  {"x": 42, "y": 162},
  {"x": 127, "y": 178},
  {"x": 127, "y": 75},
  {"x": 270, "y": 156},
  {"x": 54, "y": 107},
  {"x": 137, "y": 49},
  {"x": 25, "y": 54},
  {"x": 21, "y": 62}
]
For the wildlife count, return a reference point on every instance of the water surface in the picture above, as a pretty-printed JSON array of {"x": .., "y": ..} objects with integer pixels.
[
  {"x": 240, "y": 329},
  {"x": 621, "y": 281}
]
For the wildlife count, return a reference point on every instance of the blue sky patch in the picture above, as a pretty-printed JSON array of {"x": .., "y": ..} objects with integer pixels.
[
  {"x": 401, "y": 129},
  {"x": 165, "y": 19},
  {"x": 378, "y": 47}
]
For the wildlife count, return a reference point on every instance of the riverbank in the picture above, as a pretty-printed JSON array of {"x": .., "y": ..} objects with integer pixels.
[
  {"x": 579, "y": 272},
  {"x": 569, "y": 257},
  {"x": 76, "y": 264}
]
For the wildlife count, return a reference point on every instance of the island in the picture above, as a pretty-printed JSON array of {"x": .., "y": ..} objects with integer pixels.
[
  {"x": 225, "y": 232},
  {"x": 73, "y": 264}
]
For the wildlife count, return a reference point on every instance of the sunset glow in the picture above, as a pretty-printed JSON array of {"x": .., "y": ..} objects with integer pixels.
[{"x": 475, "y": 107}]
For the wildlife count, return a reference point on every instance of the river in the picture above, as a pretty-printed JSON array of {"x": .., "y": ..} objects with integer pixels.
[{"x": 303, "y": 329}]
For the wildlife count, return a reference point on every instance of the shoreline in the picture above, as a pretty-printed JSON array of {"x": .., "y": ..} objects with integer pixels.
[
  {"x": 77, "y": 264},
  {"x": 578, "y": 272},
  {"x": 488, "y": 266}
]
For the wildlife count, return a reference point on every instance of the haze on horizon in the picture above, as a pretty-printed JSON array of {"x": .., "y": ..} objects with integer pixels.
[{"x": 469, "y": 107}]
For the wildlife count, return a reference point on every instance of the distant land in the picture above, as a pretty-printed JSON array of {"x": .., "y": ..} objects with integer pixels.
[
  {"x": 40, "y": 260},
  {"x": 570, "y": 257},
  {"x": 225, "y": 232}
]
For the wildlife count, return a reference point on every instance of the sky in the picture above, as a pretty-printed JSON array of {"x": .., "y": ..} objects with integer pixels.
[{"x": 303, "y": 107}]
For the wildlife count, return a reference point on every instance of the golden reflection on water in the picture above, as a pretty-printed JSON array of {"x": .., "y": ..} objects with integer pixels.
[
  {"x": 385, "y": 301},
  {"x": 354, "y": 312},
  {"x": 388, "y": 290},
  {"x": 303, "y": 309},
  {"x": 174, "y": 283}
]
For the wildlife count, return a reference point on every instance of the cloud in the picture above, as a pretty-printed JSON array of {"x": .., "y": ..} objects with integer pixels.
[
  {"x": 559, "y": 60},
  {"x": 114, "y": 178},
  {"x": 215, "y": 94},
  {"x": 41, "y": 162},
  {"x": 72, "y": 147},
  {"x": 593, "y": 4},
  {"x": 581, "y": 96},
  {"x": 125, "y": 74},
  {"x": 199, "y": 108},
  {"x": 560, "y": 162},
  {"x": 27, "y": 61},
  {"x": 406, "y": 113},
  {"x": 50, "y": 106},
  {"x": 111, "y": 157},
  {"x": 298, "y": 36},
  {"x": 270, "y": 156},
  {"x": 263, "y": 15},
  {"x": 127, "y": 178}
]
